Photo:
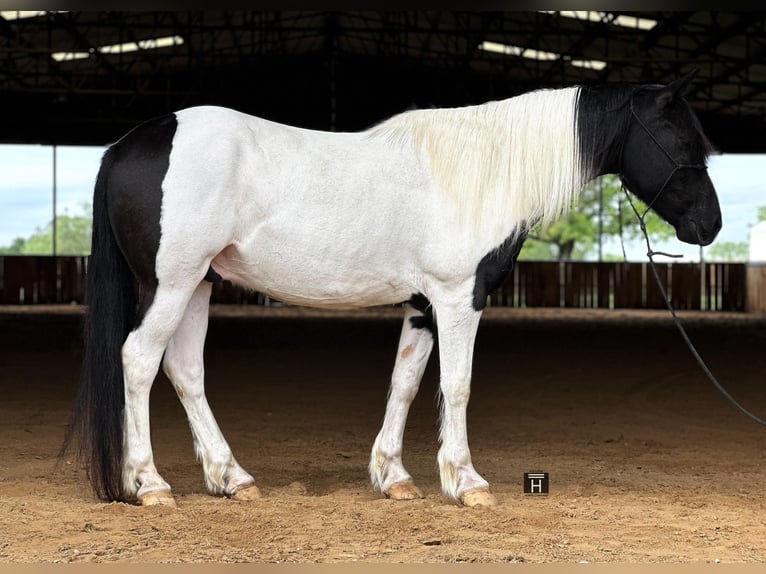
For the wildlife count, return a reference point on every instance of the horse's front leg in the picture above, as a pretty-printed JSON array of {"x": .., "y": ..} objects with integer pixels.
[
  {"x": 457, "y": 322},
  {"x": 387, "y": 471}
]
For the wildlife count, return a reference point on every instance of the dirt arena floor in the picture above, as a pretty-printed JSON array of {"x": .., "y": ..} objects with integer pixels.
[{"x": 648, "y": 463}]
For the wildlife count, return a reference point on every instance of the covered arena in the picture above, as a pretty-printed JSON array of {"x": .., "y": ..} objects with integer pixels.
[{"x": 647, "y": 461}]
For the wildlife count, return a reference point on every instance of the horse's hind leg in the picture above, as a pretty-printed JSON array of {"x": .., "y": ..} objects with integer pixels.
[
  {"x": 386, "y": 469},
  {"x": 141, "y": 356},
  {"x": 183, "y": 364}
]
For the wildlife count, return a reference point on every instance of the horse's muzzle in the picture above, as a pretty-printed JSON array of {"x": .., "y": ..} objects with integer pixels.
[{"x": 697, "y": 233}]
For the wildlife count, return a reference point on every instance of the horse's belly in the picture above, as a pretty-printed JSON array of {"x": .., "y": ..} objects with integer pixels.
[
  {"x": 339, "y": 299},
  {"x": 309, "y": 281}
]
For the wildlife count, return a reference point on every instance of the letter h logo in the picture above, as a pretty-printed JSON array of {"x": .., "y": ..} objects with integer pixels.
[{"x": 536, "y": 483}]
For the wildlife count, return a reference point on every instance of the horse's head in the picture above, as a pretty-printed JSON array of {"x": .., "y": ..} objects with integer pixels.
[{"x": 663, "y": 161}]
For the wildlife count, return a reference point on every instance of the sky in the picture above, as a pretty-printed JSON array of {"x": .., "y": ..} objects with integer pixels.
[
  {"x": 26, "y": 201},
  {"x": 26, "y": 184}
]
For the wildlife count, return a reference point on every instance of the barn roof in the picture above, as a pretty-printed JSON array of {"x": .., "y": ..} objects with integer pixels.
[{"x": 86, "y": 77}]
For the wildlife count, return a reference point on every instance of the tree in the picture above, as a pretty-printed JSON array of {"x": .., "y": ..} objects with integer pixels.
[
  {"x": 602, "y": 207},
  {"x": 72, "y": 236},
  {"x": 728, "y": 251},
  {"x": 15, "y": 248},
  {"x": 733, "y": 250}
]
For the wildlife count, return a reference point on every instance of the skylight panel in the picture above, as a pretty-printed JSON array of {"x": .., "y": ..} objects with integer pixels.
[
  {"x": 150, "y": 44},
  {"x": 633, "y": 22},
  {"x": 69, "y": 56},
  {"x": 624, "y": 20},
  {"x": 512, "y": 50},
  {"x": 21, "y": 14},
  {"x": 122, "y": 48},
  {"x": 540, "y": 55},
  {"x": 597, "y": 65}
]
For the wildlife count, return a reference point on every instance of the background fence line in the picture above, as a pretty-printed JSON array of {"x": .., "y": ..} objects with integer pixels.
[{"x": 31, "y": 280}]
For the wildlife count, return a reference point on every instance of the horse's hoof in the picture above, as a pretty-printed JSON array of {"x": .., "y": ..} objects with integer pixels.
[
  {"x": 405, "y": 490},
  {"x": 246, "y": 492},
  {"x": 478, "y": 497},
  {"x": 158, "y": 497}
]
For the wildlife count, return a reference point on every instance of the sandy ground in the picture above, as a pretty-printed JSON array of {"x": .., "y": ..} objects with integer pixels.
[{"x": 648, "y": 463}]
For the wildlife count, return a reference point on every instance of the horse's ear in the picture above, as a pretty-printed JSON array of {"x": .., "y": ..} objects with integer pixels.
[
  {"x": 677, "y": 88},
  {"x": 681, "y": 85}
]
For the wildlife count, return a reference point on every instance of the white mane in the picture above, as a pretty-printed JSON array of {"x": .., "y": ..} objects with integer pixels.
[{"x": 506, "y": 164}]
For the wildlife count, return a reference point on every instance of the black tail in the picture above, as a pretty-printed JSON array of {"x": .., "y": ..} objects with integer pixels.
[{"x": 97, "y": 419}]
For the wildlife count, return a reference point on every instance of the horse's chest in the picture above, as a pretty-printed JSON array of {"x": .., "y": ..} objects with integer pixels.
[{"x": 494, "y": 267}]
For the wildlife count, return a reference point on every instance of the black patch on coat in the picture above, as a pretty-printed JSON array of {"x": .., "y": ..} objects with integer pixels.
[
  {"x": 427, "y": 321},
  {"x": 494, "y": 267},
  {"x": 212, "y": 277},
  {"x": 139, "y": 162}
]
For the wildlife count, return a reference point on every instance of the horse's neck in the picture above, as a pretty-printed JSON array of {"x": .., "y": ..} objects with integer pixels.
[{"x": 603, "y": 117}]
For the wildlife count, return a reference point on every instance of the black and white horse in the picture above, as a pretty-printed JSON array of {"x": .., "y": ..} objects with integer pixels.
[{"x": 429, "y": 208}]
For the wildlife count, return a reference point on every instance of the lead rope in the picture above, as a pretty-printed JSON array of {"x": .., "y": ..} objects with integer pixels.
[{"x": 650, "y": 254}]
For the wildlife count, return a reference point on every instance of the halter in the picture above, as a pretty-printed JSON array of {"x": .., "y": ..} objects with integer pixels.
[{"x": 676, "y": 164}]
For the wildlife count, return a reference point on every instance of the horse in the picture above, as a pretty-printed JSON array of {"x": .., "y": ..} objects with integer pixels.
[{"x": 428, "y": 209}]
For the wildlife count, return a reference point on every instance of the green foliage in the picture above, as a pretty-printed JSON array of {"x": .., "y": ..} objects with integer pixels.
[
  {"x": 14, "y": 248},
  {"x": 728, "y": 251},
  {"x": 575, "y": 236},
  {"x": 733, "y": 250},
  {"x": 72, "y": 237}
]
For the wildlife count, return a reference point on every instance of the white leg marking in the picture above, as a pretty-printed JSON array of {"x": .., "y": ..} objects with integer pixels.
[
  {"x": 386, "y": 468},
  {"x": 141, "y": 356},
  {"x": 457, "y": 324},
  {"x": 184, "y": 366}
]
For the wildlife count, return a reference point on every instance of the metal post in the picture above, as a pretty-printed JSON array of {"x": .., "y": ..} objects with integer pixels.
[
  {"x": 332, "y": 48},
  {"x": 600, "y": 218},
  {"x": 54, "y": 200},
  {"x": 705, "y": 303}
]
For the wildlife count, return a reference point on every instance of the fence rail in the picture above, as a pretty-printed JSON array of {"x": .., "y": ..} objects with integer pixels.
[{"x": 573, "y": 284}]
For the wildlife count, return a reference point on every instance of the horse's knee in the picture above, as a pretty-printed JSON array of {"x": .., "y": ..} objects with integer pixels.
[
  {"x": 404, "y": 387},
  {"x": 457, "y": 392}
]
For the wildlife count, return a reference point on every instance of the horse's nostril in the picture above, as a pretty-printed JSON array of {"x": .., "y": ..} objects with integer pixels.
[{"x": 705, "y": 236}]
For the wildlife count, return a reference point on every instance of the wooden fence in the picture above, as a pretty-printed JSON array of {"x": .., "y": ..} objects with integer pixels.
[
  {"x": 574, "y": 284},
  {"x": 580, "y": 284}
]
